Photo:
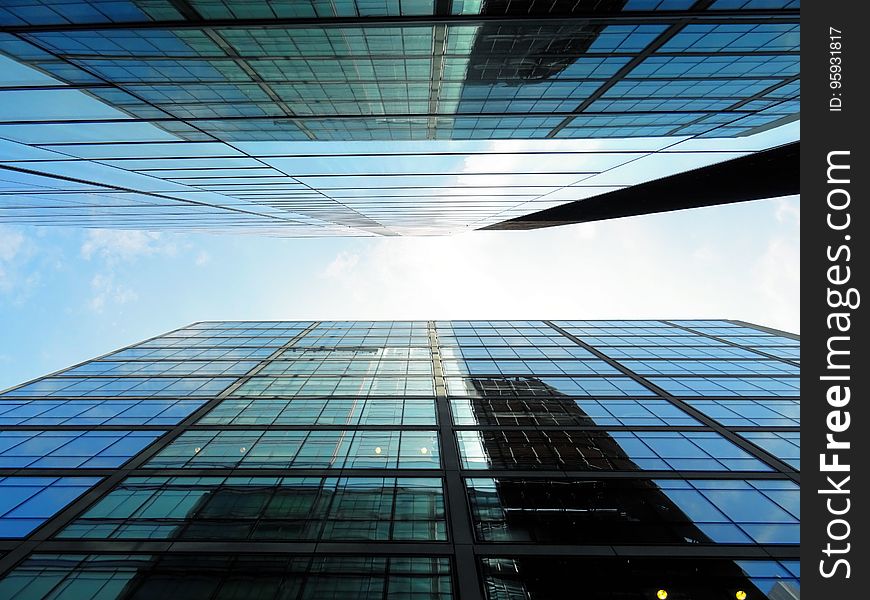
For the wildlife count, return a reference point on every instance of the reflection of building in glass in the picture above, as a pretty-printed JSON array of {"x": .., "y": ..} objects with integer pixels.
[
  {"x": 200, "y": 114},
  {"x": 565, "y": 510},
  {"x": 244, "y": 71},
  {"x": 539, "y": 577},
  {"x": 440, "y": 459}
]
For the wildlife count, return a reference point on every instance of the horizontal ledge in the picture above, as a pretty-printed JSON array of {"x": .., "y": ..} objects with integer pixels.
[{"x": 665, "y": 17}]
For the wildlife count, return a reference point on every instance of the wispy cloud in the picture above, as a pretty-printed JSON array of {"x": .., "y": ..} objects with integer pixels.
[
  {"x": 11, "y": 243},
  {"x": 788, "y": 209},
  {"x": 116, "y": 252},
  {"x": 341, "y": 265},
  {"x": 116, "y": 246},
  {"x": 777, "y": 271},
  {"x": 112, "y": 249},
  {"x": 18, "y": 275},
  {"x": 108, "y": 292},
  {"x": 202, "y": 259}
]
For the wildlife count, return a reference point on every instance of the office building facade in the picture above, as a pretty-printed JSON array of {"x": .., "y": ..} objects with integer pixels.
[
  {"x": 371, "y": 117},
  {"x": 238, "y": 71},
  {"x": 503, "y": 460}
]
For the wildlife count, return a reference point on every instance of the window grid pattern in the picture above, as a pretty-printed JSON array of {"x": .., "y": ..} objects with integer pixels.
[
  {"x": 146, "y": 411},
  {"x": 70, "y": 449},
  {"x": 647, "y": 511},
  {"x": 262, "y": 508},
  {"x": 322, "y": 411},
  {"x": 75, "y": 387},
  {"x": 746, "y": 412},
  {"x": 332, "y": 432},
  {"x": 27, "y": 502},
  {"x": 784, "y": 445},
  {"x": 93, "y": 576},
  {"x": 301, "y": 449},
  {"x": 159, "y": 80},
  {"x": 579, "y": 412},
  {"x": 604, "y": 451},
  {"x": 301, "y": 63}
]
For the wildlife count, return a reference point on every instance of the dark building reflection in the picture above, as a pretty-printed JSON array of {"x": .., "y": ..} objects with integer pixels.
[
  {"x": 515, "y": 53},
  {"x": 240, "y": 577},
  {"x": 499, "y": 400},
  {"x": 576, "y": 511},
  {"x": 507, "y": 74},
  {"x": 595, "y": 511},
  {"x": 548, "y": 578},
  {"x": 296, "y": 510},
  {"x": 564, "y": 474}
]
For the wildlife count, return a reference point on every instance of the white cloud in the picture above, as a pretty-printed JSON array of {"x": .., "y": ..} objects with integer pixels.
[
  {"x": 11, "y": 242},
  {"x": 777, "y": 272},
  {"x": 202, "y": 259},
  {"x": 106, "y": 291},
  {"x": 503, "y": 166},
  {"x": 10, "y": 246},
  {"x": 115, "y": 246},
  {"x": 18, "y": 277},
  {"x": 341, "y": 265},
  {"x": 778, "y": 275},
  {"x": 788, "y": 209}
]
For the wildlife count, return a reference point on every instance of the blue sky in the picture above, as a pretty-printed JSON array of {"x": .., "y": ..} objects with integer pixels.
[{"x": 67, "y": 294}]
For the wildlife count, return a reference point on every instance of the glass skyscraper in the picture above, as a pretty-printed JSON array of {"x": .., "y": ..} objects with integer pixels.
[
  {"x": 503, "y": 460},
  {"x": 372, "y": 117},
  {"x": 236, "y": 70}
]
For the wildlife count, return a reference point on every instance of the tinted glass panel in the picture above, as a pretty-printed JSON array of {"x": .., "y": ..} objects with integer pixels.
[
  {"x": 600, "y": 450},
  {"x": 301, "y": 449},
  {"x": 635, "y": 511},
  {"x": 70, "y": 449},
  {"x": 27, "y": 502},
  {"x": 108, "y": 577},
  {"x": 260, "y": 508}
]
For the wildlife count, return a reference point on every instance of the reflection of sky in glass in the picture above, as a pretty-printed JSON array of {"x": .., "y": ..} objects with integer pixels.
[
  {"x": 768, "y": 574},
  {"x": 735, "y": 512},
  {"x": 785, "y": 445},
  {"x": 27, "y": 502},
  {"x": 71, "y": 449},
  {"x": 302, "y": 188},
  {"x": 726, "y": 512}
]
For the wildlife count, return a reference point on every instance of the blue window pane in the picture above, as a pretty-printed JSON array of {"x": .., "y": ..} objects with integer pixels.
[
  {"x": 747, "y": 412},
  {"x": 69, "y": 449},
  {"x": 735, "y": 37},
  {"x": 126, "y": 386},
  {"x": 784, "y": 445},
  {"x": 733, "y": 386},
  {"x": 27, "y": 502}
]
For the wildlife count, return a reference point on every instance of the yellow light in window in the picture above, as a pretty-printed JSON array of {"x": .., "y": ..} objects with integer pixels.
[
  {"x": 740, "y": 595},
  {"x": 378, "y": 450},
  {"x": 424, "y": 450},
  {"x": 661, "y": 594}
]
